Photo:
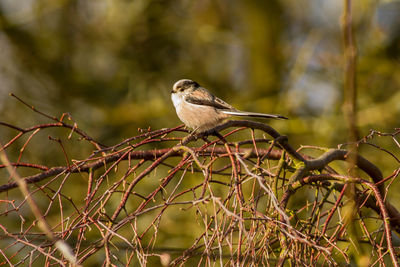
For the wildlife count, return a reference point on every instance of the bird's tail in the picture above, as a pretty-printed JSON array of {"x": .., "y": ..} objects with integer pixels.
[{"x": 253, "y": 114}]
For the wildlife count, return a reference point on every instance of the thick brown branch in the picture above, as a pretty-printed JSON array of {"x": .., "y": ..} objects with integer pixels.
[
  {"x": 281, "y": 139},
  {"x": 142, "y": 154},
  {"x": 324, "y": 160}
]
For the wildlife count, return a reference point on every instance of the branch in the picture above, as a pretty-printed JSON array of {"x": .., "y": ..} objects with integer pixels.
[{"x": 81, "y": 166}]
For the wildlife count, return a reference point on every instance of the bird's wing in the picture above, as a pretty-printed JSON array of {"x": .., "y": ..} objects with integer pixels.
[{"x": 202, "y": 97}]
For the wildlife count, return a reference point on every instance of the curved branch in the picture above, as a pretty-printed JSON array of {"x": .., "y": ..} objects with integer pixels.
[
  {"x": 341, "y": 154},
  {"x": 324, "y": 160},
  {"x": 142, "y": 154},
  {"x": 280, "y": 139}
]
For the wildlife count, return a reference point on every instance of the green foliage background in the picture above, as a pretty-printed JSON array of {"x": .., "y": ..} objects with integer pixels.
[{"x": 111, "y": 65}]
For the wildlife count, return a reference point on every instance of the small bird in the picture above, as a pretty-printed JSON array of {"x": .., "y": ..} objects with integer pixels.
[{"x": 200, "y": 110}]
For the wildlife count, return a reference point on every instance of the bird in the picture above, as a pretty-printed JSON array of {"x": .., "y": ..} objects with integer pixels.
[{"x": 201, "y": 111}]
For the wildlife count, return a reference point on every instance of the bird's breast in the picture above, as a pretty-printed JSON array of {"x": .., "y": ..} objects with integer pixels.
[{"x": 176, "y": 100}]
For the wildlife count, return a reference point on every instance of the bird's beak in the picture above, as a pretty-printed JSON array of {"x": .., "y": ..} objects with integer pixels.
[{"x": 172, "y": 91}]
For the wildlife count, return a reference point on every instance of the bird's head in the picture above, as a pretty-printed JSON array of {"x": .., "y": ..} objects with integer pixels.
[{"x": 184, "y": 86}]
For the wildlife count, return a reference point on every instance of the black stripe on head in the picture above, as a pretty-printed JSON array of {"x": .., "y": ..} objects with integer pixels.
[
  {"x": 189, "y": 83},
  {"x": 183, "y": 85}
]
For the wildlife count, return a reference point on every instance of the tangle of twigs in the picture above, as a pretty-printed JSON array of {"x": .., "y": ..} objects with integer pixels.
[{"x": 170, "y": 197}]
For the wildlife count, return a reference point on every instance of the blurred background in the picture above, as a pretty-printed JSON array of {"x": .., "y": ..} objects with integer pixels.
[{"x": 111, "y": 66}]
